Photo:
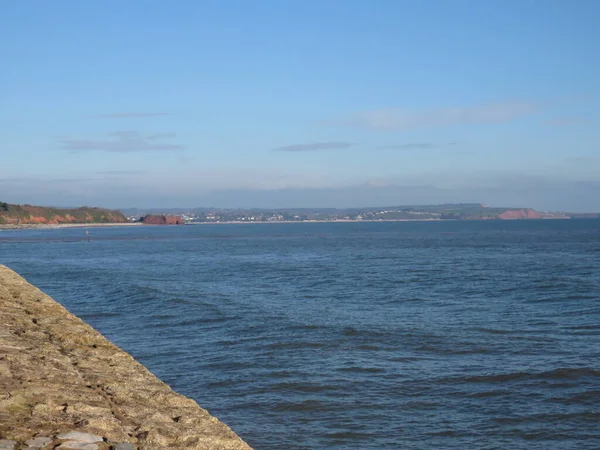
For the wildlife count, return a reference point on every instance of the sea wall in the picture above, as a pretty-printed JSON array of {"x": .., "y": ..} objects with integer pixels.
[{"x": 62, "y": 382}]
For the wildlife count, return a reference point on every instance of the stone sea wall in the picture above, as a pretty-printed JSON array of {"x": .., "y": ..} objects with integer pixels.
[{"x": 64, "y": 386}]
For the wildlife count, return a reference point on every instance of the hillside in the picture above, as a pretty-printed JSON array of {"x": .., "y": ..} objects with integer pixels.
[
  {"x": 449, "y": 211},
  {"x": 27, "y": 214}
]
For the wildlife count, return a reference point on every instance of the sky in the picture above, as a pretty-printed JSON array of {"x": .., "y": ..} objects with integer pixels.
[{"x": 293, "y": 103}]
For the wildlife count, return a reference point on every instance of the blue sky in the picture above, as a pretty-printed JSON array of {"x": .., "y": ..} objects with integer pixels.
[{"x": 300, "y": 103}]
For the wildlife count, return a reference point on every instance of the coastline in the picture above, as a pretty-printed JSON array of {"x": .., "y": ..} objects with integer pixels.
[
  {"x": 46, "y": 226},
  {"x": 243, "y": 222},
  {"x": 62, "y": 382}
]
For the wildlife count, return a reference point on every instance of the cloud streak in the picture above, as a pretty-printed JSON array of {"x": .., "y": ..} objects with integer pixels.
[
  {"x": 411, "y": 146},
  {"x": 313, "y": 147},
  {"x": 567, "y": 121},
  {"x": 120, "y": 172},
  {"x": 119, "y": 142},
  {"x": 397, "y": 119},
  {"x": 156, "y": 136},
  {"x": 130, "y": 114},
  {"x": 580, "y": 159},
  {"x": 27, "y": 180}
]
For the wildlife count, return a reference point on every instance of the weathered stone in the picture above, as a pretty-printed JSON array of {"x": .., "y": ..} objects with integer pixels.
[
  {"x": 79, "y": 437},
  {"x": 38, "y": 442},
  {"x": 129, "y": 430},
  {"x": 62, "y": 375},
  {"x": 74, "y": 445},
  {"x": 17, "y": 405},
  {"x": 5, "y": 444},
  {"x": 124, "y": 446}
]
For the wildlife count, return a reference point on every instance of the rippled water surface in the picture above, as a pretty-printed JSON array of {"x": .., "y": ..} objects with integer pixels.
[{"x": 350, "y": 336}]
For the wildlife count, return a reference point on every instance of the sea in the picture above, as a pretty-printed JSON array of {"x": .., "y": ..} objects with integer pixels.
[{"x": 395, "y": 335}]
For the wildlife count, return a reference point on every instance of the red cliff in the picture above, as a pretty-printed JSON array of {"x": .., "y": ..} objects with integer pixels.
[
  {"x": 512, "y": 214},
  {"x": 162, "y": 220},
  {"x": 27, "y": 214}
]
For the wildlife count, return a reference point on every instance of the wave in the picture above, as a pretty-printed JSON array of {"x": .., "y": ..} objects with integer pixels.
[
  {"x": 486, "y": 394},
  {"x": 591, "y": 397},
  {"x": 305, "y": 406},
  {"x": 493, "y": 330},
  {"x": 584, "y": 327},
  {"x": 305, "y": 327},
  {"x": 373, "y": 348},
  {"x": 348, "y": 435},
  {"x": 357, "y": 369},
  {"x": 301, "y": 387},
  {"x": 454, "y": 350},
  {"x": 550, "y": 418},
  {"x": 294, "y": 345},
  {"x": 556, "y": 374},
  {"x": 98, "y": 315}
]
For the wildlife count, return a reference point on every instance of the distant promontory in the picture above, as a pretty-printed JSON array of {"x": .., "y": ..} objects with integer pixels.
[
  {"x": 40, "y": 215},
  {"x": 156, "y": 219}
]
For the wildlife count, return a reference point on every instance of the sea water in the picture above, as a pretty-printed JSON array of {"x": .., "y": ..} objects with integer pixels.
[{"x": 405, "y": 335}]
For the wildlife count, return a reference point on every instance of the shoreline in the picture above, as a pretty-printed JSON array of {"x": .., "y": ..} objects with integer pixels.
[
  {"x": 244, "y": 222},
  {"x": 49, "y": 226},
  {"x": 64, "y": 385},
  {"x": 44, "y": 226},
  {"x": 248, "y": 222}
]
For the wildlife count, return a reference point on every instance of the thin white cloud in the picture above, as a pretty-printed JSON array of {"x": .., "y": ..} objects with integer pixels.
[
  {"x": 313, "y": 147},
  {"x": 410, "y": 146},
  {"x": 130, "y": 114},
  {"x": 397, "y": 119},
  {"x": 156, "y": 136},
  {"x": 37, "y": 179},
  {"x": 568, "y": 121},
  {"x": 580, "y": 159},
  {"x": 119, "y": 142},
  {"x": 120, "y": 172}
]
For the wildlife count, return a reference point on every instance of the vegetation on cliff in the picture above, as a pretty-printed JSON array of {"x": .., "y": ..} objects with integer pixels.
[{"x": 27, "y": 214}]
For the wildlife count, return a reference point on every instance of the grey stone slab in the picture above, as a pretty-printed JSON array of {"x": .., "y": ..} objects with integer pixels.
[
  {"x": 5, "y": 444},
  {"x": 80, "y": 437},
  {"x": 38, "y": 442},
  {"x": 125, "y": 446},
  {"x": 74, "y": 445}
]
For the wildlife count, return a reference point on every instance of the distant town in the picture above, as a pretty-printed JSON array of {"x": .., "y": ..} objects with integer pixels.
[
  {"x": 466, "y": 211},
  {"x": 13, "y": 215}
]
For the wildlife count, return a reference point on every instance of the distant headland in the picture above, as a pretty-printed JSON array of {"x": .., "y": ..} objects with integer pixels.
[
  {"x": 39, "y": 215},
  {"x": 28, "y": 216},
  {"x": 156, "y": 219}
]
